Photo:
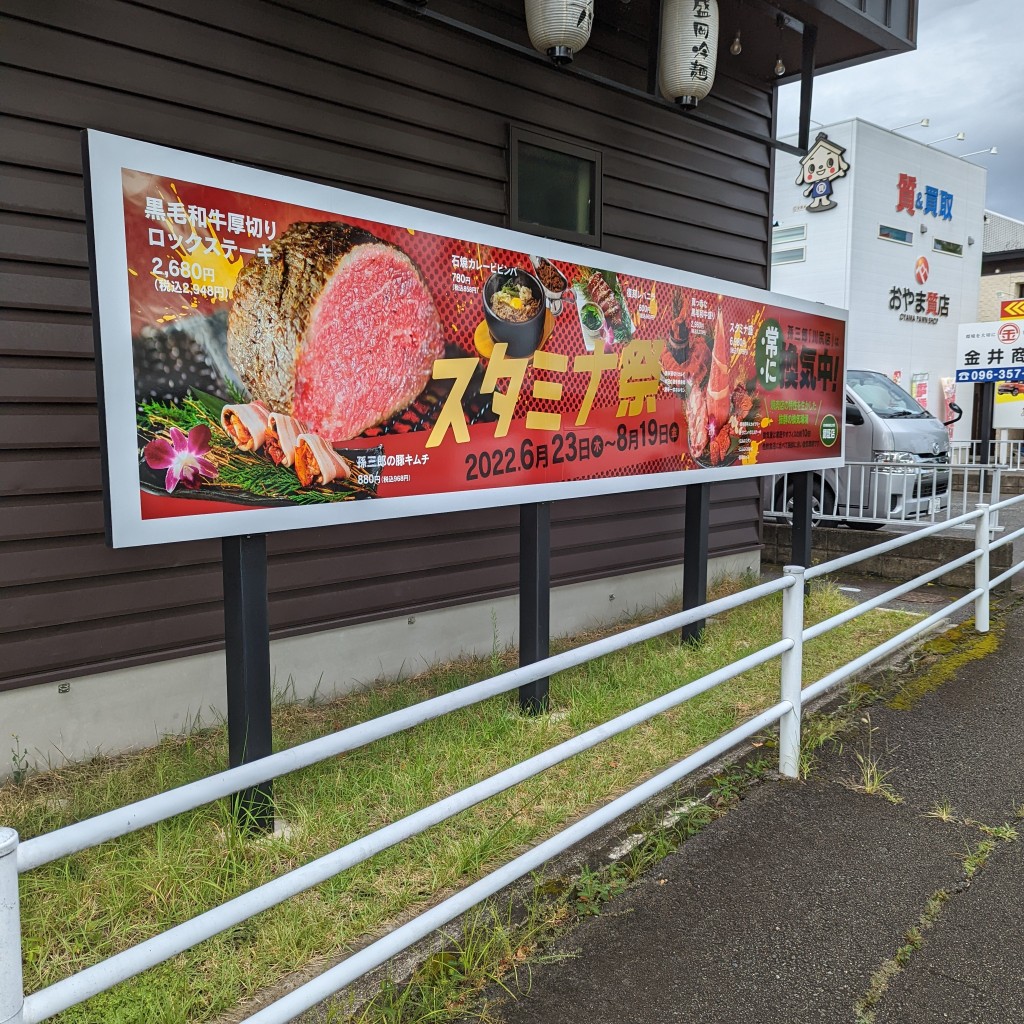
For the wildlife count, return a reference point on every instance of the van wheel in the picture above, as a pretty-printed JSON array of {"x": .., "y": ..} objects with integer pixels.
[{"x": 818, "y": 506}]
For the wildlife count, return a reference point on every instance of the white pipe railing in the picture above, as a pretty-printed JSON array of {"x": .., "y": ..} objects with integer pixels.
[
  {"x": 84, "y": 834},
  {"x": 151, "y": 952},
  {"x": 1009, "y": 454},
  {"x": 18, "y": 857},
  {"x": 876, "y": 493}
]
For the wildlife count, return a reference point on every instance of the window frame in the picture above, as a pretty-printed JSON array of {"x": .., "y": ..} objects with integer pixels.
[
  {"x": 802, "y": 258},
  {"x": 956, "y": 248},
  {"x": 792, "y": 233},
  {"x": 518, "y": 135},
  {"x": 909, "y": 240}
]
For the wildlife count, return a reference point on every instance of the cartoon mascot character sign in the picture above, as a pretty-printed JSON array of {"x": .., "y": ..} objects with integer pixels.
[{"x": 822, "y": 165}]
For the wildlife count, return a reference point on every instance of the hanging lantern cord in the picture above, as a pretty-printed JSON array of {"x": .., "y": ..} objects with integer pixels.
[{"x": 780, "y": 68}]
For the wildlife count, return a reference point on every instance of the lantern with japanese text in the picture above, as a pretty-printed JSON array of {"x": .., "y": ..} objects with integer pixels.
[
  {"x": 559, "y": 27},
  {"x": 689, "y": 50}
]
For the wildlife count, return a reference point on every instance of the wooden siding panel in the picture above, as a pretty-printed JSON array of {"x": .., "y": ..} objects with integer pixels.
[
  {"x": 628, "y": 199},
  {"x": 30, "y": 190},
  {"x": 33, "y": 95},
  {"x": 46, "y": 380},
  {"x": 33, "y": 518},
  {"x": 39, "y": 427},
  {"x": 34, "y": 654},
  {"x": 29, "y": 333},
  {"x": 369, "y": 99},
  {"x": 80, "y": 603},
  {"x": 38, "y": 144},
  {"x": 709, "y": 264},
  {"x": 622, "y": 170},
  {"x": 48, "y": 472},
  {"x": 56, "y": 617},
  {"x": 212, "y": 91},
  {"x": 61, "y": 289},
  {"x": 661, "y": 231},
  {"x": 585, "y": 543},
  {"x": 73, "y": 557},
  {"x": 42, "y": 240},
  {"x": 414, "y": 53}
]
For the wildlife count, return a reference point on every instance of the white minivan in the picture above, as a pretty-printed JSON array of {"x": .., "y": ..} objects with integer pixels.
[{"x": 897, "y": 456}]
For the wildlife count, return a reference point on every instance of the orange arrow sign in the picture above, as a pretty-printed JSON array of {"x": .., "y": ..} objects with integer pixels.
[{"x": 1014, "y": 307}]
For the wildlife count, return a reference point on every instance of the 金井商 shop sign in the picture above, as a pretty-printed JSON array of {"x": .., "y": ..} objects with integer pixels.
[
  {"x": 278, "y": 354},
  {"x": 990, "y": 351}
]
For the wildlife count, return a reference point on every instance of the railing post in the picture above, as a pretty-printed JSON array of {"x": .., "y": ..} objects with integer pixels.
[
  {"x": 995, "y": 496},
  {"x": 792, "y": 672},
  {"x": 12, "y": 992},
  {"x": 982, "y": 540}
]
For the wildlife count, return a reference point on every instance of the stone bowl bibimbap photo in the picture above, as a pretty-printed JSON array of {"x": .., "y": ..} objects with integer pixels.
[{"x": 514, "y": 308}]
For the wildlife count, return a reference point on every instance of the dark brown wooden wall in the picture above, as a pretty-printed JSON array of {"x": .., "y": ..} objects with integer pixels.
[{"x": 371, "y": 99}]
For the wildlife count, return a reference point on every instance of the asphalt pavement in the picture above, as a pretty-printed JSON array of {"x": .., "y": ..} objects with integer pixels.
[{"x": 815, "y": 901}]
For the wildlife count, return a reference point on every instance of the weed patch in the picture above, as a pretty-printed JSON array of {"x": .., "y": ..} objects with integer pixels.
[
  {"x": 873, "y": 779},
  {"x": 973, "y": 859},
  {"x": 943, "y": 657},
  {"x": 865, "y": 1008}
]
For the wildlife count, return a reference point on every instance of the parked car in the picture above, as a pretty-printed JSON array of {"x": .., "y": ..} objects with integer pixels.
[{"x": 897, "y": 456}]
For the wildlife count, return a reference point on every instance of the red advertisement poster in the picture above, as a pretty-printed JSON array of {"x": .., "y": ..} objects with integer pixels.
[{"x": 298, "y": 349}]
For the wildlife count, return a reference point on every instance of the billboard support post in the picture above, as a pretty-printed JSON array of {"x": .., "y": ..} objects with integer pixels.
[
  {"x": 803, "y": 509},
  {"x": 987, "y": 397},
  {"x": 534, "y": 599},
  {"x": 247, "y": 657},
  {"x": 695, "y": 555}
]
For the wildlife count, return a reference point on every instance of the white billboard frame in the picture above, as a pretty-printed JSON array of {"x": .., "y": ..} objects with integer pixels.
[{"x": 104, "y": 158}]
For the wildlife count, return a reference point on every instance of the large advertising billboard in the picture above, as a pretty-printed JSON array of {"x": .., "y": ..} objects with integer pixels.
[{"x": 278, "y": 354}]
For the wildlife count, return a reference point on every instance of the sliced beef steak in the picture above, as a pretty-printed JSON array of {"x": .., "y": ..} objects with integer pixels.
[{"x": 337, "y": 328}]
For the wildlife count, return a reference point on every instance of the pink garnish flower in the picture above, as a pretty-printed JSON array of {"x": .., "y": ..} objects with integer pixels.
[{"x": 182, "y": 457}]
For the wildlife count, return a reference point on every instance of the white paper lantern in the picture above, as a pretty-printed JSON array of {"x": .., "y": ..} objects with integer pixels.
[
  {"x": 688, "y": 50},
  {"x": 559, "y": 28}
]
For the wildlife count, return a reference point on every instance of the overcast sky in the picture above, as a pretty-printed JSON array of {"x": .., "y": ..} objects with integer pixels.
[{"x": 967, "y": 74}]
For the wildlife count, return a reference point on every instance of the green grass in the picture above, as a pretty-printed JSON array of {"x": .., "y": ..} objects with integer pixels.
[
  {"x": 493, "y": 954},
  {"x": 93, "y": 904}
]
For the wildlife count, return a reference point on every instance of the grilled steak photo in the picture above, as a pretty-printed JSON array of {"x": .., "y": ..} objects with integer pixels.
[{"x": 336, "y": 328}]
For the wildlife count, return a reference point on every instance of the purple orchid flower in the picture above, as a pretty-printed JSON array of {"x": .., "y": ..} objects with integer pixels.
[{"x": 183, "y": 457}]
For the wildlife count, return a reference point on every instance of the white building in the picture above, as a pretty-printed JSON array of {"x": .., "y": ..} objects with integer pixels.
[{"x": 890, "y": 229}]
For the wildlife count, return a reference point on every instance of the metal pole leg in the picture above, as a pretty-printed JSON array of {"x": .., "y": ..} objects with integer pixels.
[
  {"x": 247, "y": 652},
  {"x": 534, "y": 599},
  {"x": 695, "y": 556},
  {"x": 803, "y": 510}
]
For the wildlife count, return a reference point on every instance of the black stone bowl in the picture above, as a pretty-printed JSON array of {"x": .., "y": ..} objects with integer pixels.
[{"x": 522, "y": 338}]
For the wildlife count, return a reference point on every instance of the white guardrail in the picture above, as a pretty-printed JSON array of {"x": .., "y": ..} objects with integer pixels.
[
  {"x": 18, "y": 857},
  {"x": 1009, "y": 454},
  {"x": 868, "y": 495}
]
